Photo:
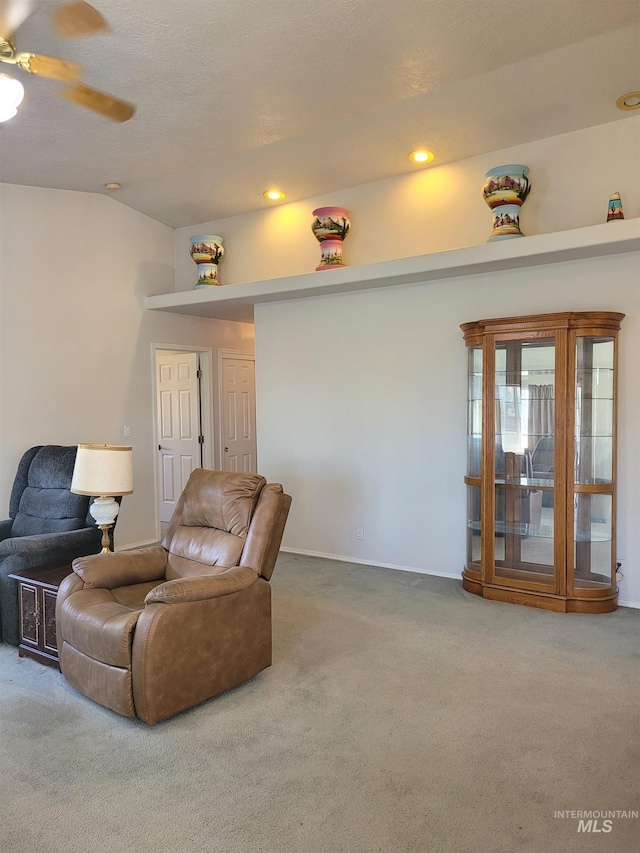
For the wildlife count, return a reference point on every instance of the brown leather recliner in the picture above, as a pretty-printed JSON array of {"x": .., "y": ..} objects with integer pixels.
[{"x": 154, "y": 631}]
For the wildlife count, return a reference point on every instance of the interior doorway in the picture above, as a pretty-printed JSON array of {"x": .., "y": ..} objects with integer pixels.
[
  {"x": 237, "y": 386},
  {"x": 183, "y": 420}
]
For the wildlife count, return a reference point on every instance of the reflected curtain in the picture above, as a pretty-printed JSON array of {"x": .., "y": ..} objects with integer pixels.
[{"x": 541, "y": 413}]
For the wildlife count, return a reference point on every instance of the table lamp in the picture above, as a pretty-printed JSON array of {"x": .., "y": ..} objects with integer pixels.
[{"x": 103, "y": 471}]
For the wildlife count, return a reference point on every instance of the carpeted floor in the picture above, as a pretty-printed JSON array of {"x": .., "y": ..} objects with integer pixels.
[{"x": 401, "y": 715}]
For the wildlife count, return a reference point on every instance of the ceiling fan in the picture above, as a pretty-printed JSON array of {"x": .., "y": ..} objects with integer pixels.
[{"x": 70, "y": 20}]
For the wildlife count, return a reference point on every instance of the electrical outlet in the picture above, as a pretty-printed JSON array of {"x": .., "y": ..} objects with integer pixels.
[
  {"x": 359, "y": 532},
  {"x": 619, "y": 569},
  {"x": 127, "y": 431}
]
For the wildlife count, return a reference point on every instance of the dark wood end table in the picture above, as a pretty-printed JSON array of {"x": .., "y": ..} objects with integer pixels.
[{"x": 37, "y": 593}]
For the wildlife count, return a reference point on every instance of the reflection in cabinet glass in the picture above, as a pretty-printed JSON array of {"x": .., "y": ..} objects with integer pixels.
[{"x": 541, "y": 460}]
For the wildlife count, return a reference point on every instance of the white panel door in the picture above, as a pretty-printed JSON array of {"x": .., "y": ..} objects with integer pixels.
[
  {"x": 239, "y": 415},
  {"x": 178, "y": 417}
]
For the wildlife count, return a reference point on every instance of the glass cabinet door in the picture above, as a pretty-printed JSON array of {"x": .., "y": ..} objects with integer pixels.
[
  {"x": 593, "y": 466},
  {"x": 524, "y": 460}
]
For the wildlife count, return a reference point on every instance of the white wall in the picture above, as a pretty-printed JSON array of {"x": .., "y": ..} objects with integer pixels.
[
  {"x": 75, "y": 341},
  {"x": 362, "y": 398},
  {"x": 362, "y": 409}
]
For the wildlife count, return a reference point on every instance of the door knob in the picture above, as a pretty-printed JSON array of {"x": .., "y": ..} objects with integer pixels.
[{"x": 226, "y": 450}]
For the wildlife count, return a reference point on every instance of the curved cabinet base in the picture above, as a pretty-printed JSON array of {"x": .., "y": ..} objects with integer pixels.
[{"x": 545, "y": 601}]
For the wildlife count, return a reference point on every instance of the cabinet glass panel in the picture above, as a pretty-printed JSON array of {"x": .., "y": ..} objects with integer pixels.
[
  {"x": 593, "y": 541},
  {"x": 525, "y": 410},
  {"x": 474, "y": 526},
  {"x": 594, "y": 410},
  {"x": 523, "y": 537},
  {"x": 474, "y": 413}
]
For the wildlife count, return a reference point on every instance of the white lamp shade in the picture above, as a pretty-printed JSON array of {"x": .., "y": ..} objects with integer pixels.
[{"x": 103, "y": 470}]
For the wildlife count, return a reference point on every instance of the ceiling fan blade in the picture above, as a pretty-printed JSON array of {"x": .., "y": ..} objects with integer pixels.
[
  {"x": 100, "y": 102},
  {"x": 77, "y": 19},
  {"x": 13, "y": 13},
  {"x": 49, "y": 66}
]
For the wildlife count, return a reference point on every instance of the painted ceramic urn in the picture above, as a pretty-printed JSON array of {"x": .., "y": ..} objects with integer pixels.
[
  {"x": 505, "y": 191},
  {"x": 615, "y": 211},
  {"x": 206, "y": 250},
  {"x": 330, "y": 226}
]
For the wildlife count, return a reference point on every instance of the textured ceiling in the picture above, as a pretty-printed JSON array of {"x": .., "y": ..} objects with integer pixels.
[{"x": 235, "y": 96}]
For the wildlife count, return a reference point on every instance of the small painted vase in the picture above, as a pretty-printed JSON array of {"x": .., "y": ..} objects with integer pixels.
[
  {"x": 615, "y": 211},
  {"x": 206, "y": 250},
  {"x": 330, "y": 226},
  {"x": 505, "y": 191}
]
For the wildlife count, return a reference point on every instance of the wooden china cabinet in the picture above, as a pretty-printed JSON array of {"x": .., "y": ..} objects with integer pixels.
[{"x": 542, "y": 460}]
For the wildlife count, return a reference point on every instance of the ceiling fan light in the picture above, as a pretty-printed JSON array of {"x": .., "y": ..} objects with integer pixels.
[{"x": 11, "y": 95}]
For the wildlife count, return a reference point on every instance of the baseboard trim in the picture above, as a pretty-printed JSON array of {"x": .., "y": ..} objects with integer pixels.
[
  {"x": 361, "y": 562},
  {"x": 304, "y": 553}
]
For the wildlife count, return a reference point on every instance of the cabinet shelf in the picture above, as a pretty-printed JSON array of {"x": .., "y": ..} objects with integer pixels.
[
  {"x": 525, "y": 483},
  {"x": 536, "y": 531},
  {"x": 236, "y": 301}
]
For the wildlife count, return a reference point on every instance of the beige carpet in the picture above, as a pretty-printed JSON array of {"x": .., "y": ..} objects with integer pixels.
[{"x": 401, "y": 715}]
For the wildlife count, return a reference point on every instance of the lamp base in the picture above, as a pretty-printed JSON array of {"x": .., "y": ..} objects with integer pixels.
[
  {"x": 106, "y": 542},
  {"x": 104, "y": 510}
]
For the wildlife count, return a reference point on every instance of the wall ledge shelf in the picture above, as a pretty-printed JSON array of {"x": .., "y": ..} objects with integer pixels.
[{"x": 236, "y": 301}]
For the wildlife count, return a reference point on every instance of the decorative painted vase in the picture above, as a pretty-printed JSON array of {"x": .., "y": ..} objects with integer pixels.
[
  {"x": 206, "y": 250},
  {"x": 505, "y": 191},
  {"x": 615, "y": 211},
  {"x": 330, "y": 226}
]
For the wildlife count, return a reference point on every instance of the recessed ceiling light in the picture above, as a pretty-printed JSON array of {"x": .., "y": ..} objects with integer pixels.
[
  {"x": 273, "y": 195},
  {"x": 421, "y": 156},
  {"x": 630, "y": 101},
  {"x": 113, "y": 187}
]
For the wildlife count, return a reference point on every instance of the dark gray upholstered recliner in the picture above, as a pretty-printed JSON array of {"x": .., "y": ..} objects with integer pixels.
[{"x": 47, "y": 525}]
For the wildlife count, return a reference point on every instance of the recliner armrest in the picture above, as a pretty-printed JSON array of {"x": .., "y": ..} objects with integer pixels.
[
  {"x": 108, "y": 571},
  {"x": 50, "y": 542},
  {"x": 204, "y": 587},
  {"x": 5, "y": 528}
]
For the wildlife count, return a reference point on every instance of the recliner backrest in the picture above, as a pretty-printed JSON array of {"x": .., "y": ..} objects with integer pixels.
[
  {"x": 542, "y": 458},
  {"x": 211, "y": 521},
  {"x": 45, "y": 503}
]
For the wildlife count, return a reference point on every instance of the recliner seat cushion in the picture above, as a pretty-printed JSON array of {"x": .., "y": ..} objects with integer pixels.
[{"x": 133, "y": 596}]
